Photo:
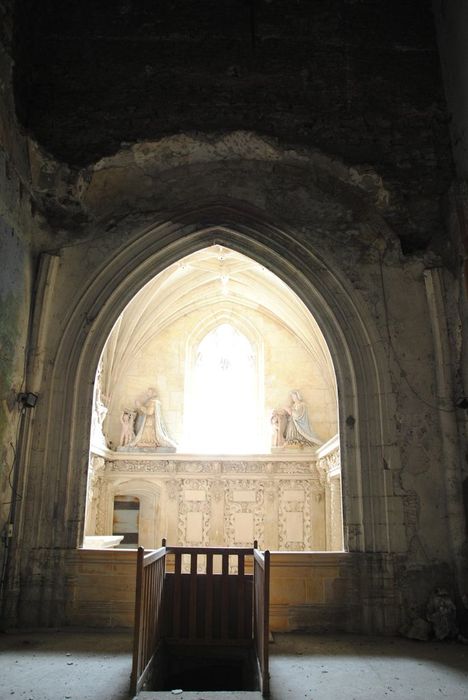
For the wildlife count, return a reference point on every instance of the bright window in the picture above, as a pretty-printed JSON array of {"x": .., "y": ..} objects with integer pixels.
[{"x": 222, "y": 408}]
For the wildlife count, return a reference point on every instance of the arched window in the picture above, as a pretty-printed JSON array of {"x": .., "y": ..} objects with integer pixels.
[{"x": 222, "y": 408}]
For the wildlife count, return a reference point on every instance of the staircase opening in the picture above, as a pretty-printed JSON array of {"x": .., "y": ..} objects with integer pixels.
[{"x": 202, "y": 670}]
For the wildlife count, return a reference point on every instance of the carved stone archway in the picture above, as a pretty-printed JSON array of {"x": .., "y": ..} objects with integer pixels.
[{"x": 60, "y": 456}]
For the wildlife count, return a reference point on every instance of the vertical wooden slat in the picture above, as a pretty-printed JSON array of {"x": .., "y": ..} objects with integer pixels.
[
  {"x": 137, "y": 623},
  {"x": 266, "y": 624},
  {"x": 177, "y": 600},
  {"x": 261, "y": 614},
  {"x": 208, "y": 631},
  {"x": 193, "y": 597},
  {"x": 240, "y": 584},
  {"x": 225, "y": 596}
]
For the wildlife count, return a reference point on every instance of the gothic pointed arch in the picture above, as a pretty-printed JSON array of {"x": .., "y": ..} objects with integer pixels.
[{"x": 347, "y": 327}]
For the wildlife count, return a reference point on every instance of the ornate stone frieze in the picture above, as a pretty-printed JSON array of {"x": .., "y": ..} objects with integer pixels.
[
  {"x": 194, "y": 467},
  {"x": 330, "y": 465},
  {"x": 243, "y": 467},
  {"x": 294, "y": 467},
  {"x": 142, "y": 466},
  {"x": 240, "y": 496},
  {"x": 182, "y": 466}
]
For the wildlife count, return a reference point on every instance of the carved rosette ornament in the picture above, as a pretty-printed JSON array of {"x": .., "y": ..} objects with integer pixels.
[
  {"x": 217, "y": 489},
  {"x": 173, "y": 488}
]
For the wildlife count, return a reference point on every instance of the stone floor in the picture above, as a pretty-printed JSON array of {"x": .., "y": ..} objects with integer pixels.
[{"x": 91, "y": 665}]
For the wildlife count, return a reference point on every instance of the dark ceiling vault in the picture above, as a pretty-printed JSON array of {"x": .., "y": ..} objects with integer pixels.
[{"x": 358, "y": 79}]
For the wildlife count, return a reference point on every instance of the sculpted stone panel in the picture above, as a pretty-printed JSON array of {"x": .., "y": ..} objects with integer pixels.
[
  {"x": 294, "y": 526},
  {"x": 294, "y": 504},
  {"x": 244, "y": 517},
  {"x": 194, "y": 513}
]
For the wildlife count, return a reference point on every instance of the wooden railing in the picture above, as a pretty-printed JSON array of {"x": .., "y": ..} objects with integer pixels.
[
  {"x": 196, "y": 596},
  {"x": 208, "y": 597},
  {"x": 148, "y": 614},
  {"x": 261, "y": 615}
]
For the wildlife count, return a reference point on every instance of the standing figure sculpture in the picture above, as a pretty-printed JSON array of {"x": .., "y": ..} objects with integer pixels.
[
  {"x": 150, "y": 429},
  {"x": 298, "y": 430},
  {"x": 279, "y": 421},
  {"x": 127, "y": 433}
]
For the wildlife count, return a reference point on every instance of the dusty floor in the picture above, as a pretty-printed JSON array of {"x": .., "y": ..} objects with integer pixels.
[{"x": 96, "y": 666}]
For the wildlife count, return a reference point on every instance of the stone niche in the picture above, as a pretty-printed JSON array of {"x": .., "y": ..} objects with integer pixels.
[{"x": 286, "y": 502}]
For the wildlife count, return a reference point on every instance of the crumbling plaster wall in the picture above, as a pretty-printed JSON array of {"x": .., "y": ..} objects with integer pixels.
[
  {"x": 17, "y": 262},
  {"x": 356, "y": 79}
]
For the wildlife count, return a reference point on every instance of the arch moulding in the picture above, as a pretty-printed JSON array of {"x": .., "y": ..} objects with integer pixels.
[{"x": 57, "y": 460}]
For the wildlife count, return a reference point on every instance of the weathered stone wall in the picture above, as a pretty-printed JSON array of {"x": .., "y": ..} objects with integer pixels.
[
  {"x": 16, "y": 274},
  {"x": 359, "y": 80},
  {"x": 451, "y": 21}
]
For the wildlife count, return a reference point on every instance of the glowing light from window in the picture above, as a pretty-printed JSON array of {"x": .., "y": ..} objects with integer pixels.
[{"x": 222, "y": 411}]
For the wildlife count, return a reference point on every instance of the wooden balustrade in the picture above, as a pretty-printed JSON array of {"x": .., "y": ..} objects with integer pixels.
[
  {"x": 206, "y": 603},
  {"x": 195, "y": 596}
]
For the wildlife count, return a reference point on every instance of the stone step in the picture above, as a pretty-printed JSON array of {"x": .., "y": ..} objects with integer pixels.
[{"x": 200, "y": 695}]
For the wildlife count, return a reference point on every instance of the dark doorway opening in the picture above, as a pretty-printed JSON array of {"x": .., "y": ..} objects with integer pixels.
[
  {"x": 126, "y": 520},
  {"x": 207, "y": 669}
]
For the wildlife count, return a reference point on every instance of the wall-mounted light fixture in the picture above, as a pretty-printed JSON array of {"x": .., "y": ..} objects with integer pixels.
[{"x": 27, "y": 399}]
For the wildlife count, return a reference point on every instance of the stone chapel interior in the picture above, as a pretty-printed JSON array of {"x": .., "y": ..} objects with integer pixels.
[{"x": 233, "y": 303}]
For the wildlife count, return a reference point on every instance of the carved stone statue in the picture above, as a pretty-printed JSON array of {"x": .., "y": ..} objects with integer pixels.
[
  {"x": 279, "y": 421},
  {"x": 150, "y": 430},
  {"x": 127, "y": 434},
  {"x": 442, "y": 613},
  {"x": 298, "y": 429}
]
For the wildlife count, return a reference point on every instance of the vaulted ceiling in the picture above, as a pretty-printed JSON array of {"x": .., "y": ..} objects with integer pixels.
[{"x": 207, "y": 279}]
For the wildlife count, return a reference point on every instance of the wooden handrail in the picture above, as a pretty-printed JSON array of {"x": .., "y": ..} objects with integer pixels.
[
  {"x": 261, "y": 615},
  {"x": 148, "y": 614},
  {"x": 210, "y": 550},
  {"x": 153, "y": 555}
]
